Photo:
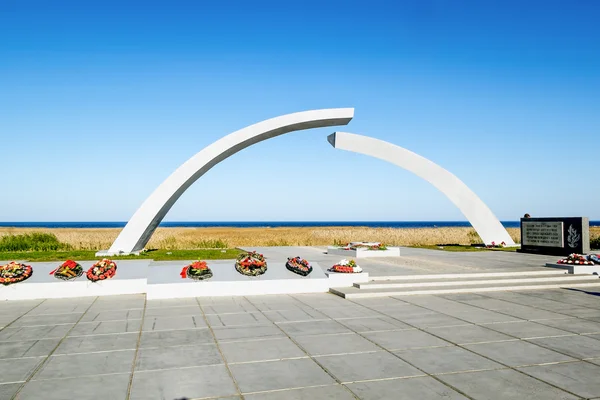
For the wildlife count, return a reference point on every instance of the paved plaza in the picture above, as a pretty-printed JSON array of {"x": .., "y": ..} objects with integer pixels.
[{"x": 542, "y": 344}]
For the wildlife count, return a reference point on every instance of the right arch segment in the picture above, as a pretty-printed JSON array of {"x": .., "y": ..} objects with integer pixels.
[{"x": 474, "y": 209}]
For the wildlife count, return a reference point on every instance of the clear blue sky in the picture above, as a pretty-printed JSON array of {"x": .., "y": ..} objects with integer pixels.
[{"x": 101, "y": 100}]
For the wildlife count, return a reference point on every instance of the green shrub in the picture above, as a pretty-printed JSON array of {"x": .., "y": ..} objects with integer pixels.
[
  {"x": 32, "y": 242},
  {"x": 595, "y": 243}
]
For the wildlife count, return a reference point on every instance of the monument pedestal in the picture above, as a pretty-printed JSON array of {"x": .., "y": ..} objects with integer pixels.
[
  {"x": 363, "y": 252},
  {"x": 164, "y": 281},
  {"x": 555, "y": 236},
  {"x": 129, "y": 279}
]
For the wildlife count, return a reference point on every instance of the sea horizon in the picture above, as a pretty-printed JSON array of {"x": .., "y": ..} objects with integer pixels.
[{"x": 256, "y": 224}]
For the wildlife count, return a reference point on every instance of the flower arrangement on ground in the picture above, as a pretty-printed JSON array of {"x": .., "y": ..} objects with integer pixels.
[
  {"x": 347, "y": 267},
  {"x": 14, "y": 272},
  {"x": 251, "y": 264},
  {"x": 493, "y": 245},
  {"x": 68, "y": 270},
  {"x": 364, "y": 245},
  {"x": 576, "y": 259},
  {"x": 103, "y": 269},
  {"x": 298, "y": 266},
  {"x": 198, "y": 270}
]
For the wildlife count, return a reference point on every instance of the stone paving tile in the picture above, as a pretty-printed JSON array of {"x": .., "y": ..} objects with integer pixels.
[
  {"x": 320, "y": 300},
  {"x": 165, "y": 323},
  {"x": 587, "y": 313},
  {"x": 406, "y": 339},
  {"x": 503, "y": 384},
  {"x": 336, "y": 344},
  {"x": 275, "y": 375},
  {"x": 421, "y": 388},
  {"x": 176, "y": 338},
  {"x": 296, "y": 314},
  {"x": 484, "y": 317},
  {"x": 178, "y": 357},
  {"x": 313, "y": 328},
  {"x": 431, "y": 320},
  {"x": 229, "y": 308},
  {"x": 575, "y": 346},
  {"x": 382, "y": 323},
  {"x": 27, "y": 348},
  {"x": 337, "y": 392},
  {"x": 440, "y": 360},
  {"x": 88, "y": 344},
  {"x": 87, "y": 364},
  {"x": 108, "y": 303},
  {"x": 527, "y": 329},
  {"x": 262, "y": 350},
  {"x": 106, "y": 327},
  {"x": 168, "y": 303},
  {"x": 112, "y": 315},
  {"x": 63, "y": 306},
  {"x": 580, "y": 378},
  {"x": 220, "y": 320},
  {"x": 518, "y": 353},
  {"x": 468, "y": 334},
  {"x": 35, "y": 332},
  {"x": 574, "y": 325},
  {"x": 347, "y": 312},
  {"x": 47, "y": 320},
  {"x": 18, "y": 370},
  {"x": 188, "y": 383},
  {"x": 247, "y": 332},
  {"x": 173, "y": 311},
  {"x": 367, "y": 366},
  {"x": 8, "y": 390},
  {"x": 113, "y": 387}
]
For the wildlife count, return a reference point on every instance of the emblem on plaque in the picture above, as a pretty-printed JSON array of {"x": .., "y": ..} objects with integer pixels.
[{"x": 573, "y": 237}]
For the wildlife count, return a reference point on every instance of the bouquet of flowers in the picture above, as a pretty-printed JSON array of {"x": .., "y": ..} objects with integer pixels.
[
  {"x": 595, "y": 258},
  {"x": 251, "y": 264},
  {"x": 364, "y": 245},
  {"x": 14, "y": 272},
  {"x": 68, "y": 270},
  {"x": 576, "y": 259},
  {"x": 298, "y": 266},
  {"x": 103, "y": 269},
  {"x": 346, "y": 266},
  {"x": 198, "y": 270}
]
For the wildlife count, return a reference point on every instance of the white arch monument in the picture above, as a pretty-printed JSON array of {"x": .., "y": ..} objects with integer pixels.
[
  {"x": 474, "y": 209},
  {"x": 146, "y": 219}
]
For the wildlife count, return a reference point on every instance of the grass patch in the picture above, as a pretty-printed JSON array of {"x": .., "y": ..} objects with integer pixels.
[
  {"x": 35, "y": 241},
  {"x": 157, "y": 255}
]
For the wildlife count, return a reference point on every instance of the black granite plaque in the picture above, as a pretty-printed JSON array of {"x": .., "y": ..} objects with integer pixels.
[{"x": 555, "y": 236}]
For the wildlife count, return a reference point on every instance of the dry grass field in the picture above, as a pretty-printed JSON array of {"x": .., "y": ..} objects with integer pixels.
[{"x": 196, "y": 238}]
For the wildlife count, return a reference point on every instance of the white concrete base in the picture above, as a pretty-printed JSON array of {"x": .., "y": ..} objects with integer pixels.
[
  {"x": 108, "y": 253},
  {"x": 130, "y": 279},
  {"x": 164, "y": 281},
  {"x": 576, "y": 268},
  {"x": 339, "y": 279},
  {"x": 364, "y": 253}
]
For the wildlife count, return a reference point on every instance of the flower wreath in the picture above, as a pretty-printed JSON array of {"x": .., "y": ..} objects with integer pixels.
[
  {"x": 345, "y": 266},
  {"x": 68, "y": 270},
  {"x": 14, "y": 272},
  {"x": 103, "y": 269},
  {"x": 198, "y": 270},
  {"x": 298, "y": 266},
  {"x": 251, "y": 264}
]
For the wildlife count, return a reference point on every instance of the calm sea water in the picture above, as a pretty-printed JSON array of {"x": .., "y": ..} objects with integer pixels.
[{"x": 254, "y": 224}]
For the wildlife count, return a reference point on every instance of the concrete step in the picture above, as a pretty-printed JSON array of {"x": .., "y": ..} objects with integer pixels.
[
  {"x": 468, "y": 281},
  {"x": 570, "y": 281},
  {"x": 467, "y": 275}
]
